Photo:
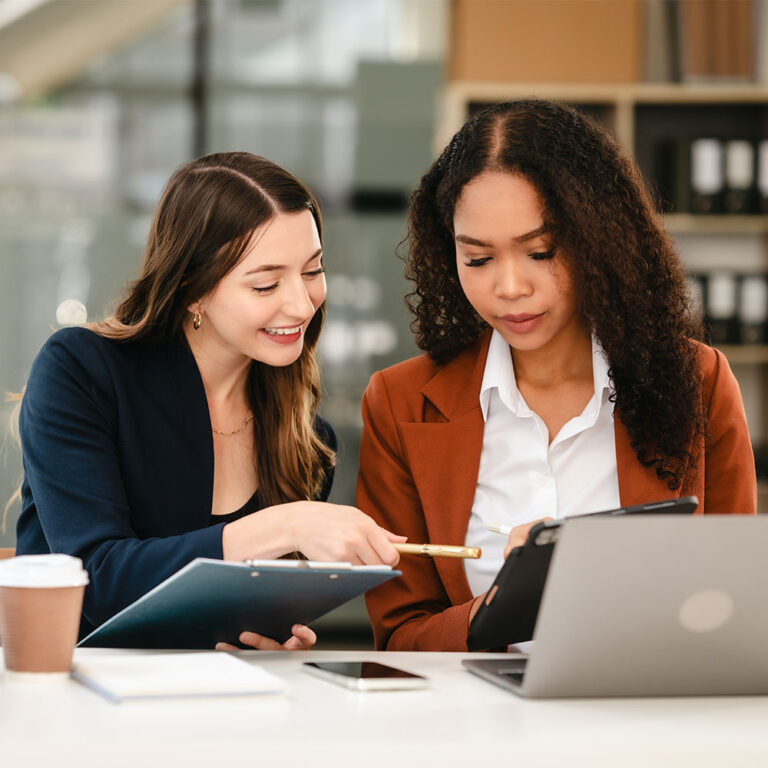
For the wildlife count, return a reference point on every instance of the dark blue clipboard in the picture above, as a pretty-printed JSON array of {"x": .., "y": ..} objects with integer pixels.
[{"x": 211, "y": 601}]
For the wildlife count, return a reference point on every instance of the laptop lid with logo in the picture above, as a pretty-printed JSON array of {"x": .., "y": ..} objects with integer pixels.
[{"x": 654, "y": 606}]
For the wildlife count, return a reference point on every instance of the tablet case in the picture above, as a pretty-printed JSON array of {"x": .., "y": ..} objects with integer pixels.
[
  {"x": 509, "y": 612},
  {"x": 211, "y": 601}
]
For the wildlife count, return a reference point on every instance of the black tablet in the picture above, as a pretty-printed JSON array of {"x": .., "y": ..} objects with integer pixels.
[{"x": 508, "y": 614}]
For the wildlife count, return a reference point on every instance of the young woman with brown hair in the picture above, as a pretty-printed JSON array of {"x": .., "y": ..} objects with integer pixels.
[
  {"x": 564, "y": 370},
  {"x": 185, "y": 426}
]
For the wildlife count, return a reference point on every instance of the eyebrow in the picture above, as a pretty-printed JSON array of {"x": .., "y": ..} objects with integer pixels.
[
  {"x": 277, "y": 267},
  {"x": 534, "y": 233}
]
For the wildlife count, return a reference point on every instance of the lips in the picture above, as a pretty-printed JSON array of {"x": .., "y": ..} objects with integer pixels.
[
  {"x": 522, "y": 323},
  {"x": 283, "y": 331},
  {"x": 286, "y": 335}
]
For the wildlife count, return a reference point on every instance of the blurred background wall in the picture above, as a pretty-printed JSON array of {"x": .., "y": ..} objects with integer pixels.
[{"x": 101, "y": 99}]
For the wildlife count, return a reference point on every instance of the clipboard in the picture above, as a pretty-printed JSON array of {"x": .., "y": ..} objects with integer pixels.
[
  {"x": 210, "y": 601},
  {"x": 509, "y": 612}
]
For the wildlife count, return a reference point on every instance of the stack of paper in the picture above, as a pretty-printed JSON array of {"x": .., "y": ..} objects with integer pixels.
[{"x": 145, "y": 676}]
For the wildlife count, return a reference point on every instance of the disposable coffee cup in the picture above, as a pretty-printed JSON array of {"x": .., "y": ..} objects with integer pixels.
[{"x": 41, "y": 597}]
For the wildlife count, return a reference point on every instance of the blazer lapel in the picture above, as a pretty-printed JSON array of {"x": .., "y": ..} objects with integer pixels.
[
  {"x": 193, "y": 423},
  {"x": 444, "y": 457}
]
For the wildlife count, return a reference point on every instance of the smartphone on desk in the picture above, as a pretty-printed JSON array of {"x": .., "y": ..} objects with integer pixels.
[{"x": 365, "y": 675}]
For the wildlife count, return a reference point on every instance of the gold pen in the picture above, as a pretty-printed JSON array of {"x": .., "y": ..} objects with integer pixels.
[{"x": 438, "y": 550}]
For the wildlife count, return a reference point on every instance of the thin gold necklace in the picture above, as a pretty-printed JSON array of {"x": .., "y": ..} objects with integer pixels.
[{"x": 248, "y": 420}]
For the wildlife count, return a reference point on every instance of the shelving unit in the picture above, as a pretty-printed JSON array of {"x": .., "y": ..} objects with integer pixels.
[
  {"x": 637, "y": 114},
  {"x": 692, "y": 224},
  {"x": 745, "y": 354},
  {"x": 615, "y": 104}
]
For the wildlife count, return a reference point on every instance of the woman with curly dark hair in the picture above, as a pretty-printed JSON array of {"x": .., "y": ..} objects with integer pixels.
[{"x": 565, "y": 372}]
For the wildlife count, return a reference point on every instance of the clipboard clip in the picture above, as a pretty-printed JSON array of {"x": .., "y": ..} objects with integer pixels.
[{"x": 310, "y": 565}]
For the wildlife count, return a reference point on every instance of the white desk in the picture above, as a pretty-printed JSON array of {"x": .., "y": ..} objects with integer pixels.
[{"x": 459, "y": 720}]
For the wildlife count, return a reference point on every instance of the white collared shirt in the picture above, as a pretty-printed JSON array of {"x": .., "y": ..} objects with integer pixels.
[{"x": 523, "y": 476}]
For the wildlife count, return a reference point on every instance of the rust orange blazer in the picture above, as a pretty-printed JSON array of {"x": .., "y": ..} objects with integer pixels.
[{"x": 419, "y": 461}]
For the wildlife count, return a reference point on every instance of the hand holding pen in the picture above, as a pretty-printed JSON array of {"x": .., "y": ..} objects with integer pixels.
[{"x": 517, "y": 534}]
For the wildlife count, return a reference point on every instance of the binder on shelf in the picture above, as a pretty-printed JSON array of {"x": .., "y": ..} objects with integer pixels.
[
  {"x": 707, "y": 180},
  {"x": 753, "y": 309},
  {"x": 721, "y": 307},
  {"x": 211, "y": 601},
  {"x": 762, "y": 175},
  {"x": 710, "y": 176},
  {"x": 695, "y": 284},
  {"x": 739, "y": 176},
  {"x": 672, "y": 172}
]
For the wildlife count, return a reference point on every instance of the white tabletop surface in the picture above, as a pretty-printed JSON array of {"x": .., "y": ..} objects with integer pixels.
[{"x": 458, "y": 720}]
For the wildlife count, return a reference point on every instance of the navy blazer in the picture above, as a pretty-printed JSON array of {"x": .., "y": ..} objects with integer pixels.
[{"x": 118, "y": 464}]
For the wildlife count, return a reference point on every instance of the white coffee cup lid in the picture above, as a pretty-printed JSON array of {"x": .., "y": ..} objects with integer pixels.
[{"x": 43, "y": 571}]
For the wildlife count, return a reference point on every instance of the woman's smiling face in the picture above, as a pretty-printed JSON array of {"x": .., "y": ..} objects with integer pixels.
[{"x": 262, "y": 307}]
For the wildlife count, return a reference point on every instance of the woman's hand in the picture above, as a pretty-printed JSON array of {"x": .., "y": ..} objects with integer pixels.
[
  {"x": 302, "y": 639},
  {"x": 476, "y": 603},
  {"x": 519, "y": 534},
  {"x": 317, "y": 529},
  {"x": 325, "y": 531}
]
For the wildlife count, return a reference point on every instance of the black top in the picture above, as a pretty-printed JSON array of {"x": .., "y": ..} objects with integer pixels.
[
  {"x": 118, "y": 464},
  {"x": 254, "y": 504},
  {"x": 257, "y": 501}
]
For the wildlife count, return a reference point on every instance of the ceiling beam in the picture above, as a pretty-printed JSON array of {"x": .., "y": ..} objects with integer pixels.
[{"x": 57, "y": 40}]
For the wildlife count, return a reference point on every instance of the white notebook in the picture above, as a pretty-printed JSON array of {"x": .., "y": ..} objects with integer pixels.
[{"x": 150, "y": 676}]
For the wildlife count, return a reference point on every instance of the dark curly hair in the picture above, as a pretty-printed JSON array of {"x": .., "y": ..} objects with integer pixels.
[{"x": 627, "y": 277}]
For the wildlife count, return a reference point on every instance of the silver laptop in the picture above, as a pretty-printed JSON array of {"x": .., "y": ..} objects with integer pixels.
[{"x": 648, "y": 606}]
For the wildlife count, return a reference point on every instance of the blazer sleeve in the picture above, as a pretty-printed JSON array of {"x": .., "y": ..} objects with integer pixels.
[
  {"x": 72, "y": 467},
  {"x": 730, "y": 479},
  {"x": 413, "y": 612}
]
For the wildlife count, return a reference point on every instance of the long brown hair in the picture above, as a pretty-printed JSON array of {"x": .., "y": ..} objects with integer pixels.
[
  {"x": 201, "y": 229},
  {"x": 625, "y": 271}
]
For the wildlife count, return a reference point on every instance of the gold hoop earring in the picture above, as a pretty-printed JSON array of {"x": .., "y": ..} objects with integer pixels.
[{"x": 197, "y": 320}]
